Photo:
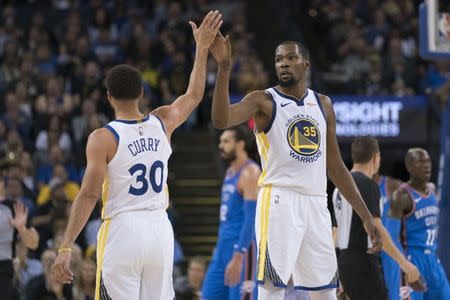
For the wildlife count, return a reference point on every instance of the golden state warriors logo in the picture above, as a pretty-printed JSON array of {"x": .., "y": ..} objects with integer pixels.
[{"x": 304, "y": 137}]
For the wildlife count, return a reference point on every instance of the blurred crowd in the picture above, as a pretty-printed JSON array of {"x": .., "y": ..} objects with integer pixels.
[
  {"x": 372, "y": 48},
  {"x": 53, "y": 59}
]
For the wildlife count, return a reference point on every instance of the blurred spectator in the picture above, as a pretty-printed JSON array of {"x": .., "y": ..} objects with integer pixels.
[
  {"x": 14, "y": 119},
  {"x": 189, "y": 287},
  {"x": 45, "y": 286},
  {"x": 25, "y": 268},
  {"x": 60, "y": 178},
  {"x": 55, "y": 134},
  {"x": 14, "y": 193},
  {"x": 46, "y": 169},
  {"x": 86, "y": 288}
]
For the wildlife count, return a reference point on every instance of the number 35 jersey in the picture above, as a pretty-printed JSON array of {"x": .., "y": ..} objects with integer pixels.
[
  {"x": 293, "y": 146},
  {"x": 137, "y": 173}
]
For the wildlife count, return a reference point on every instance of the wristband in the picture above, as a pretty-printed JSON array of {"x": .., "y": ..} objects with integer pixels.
[{"x": 60, "y": 250}]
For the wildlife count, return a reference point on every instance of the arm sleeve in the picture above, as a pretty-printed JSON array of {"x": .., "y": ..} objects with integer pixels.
[{"x": 248, "y": 229}]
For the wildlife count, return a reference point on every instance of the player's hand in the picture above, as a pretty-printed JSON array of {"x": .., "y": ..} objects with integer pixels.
[
  {"x": 20, "y": 215},
  {"x": 61, "y": 269},
  {"x": 233, "y": 270},
  {"x": 221, "y": 50},
  {"x": 374, "y": 236},
  {"x": 414, "y": 278},
  {"x": 205, "y": 34}
]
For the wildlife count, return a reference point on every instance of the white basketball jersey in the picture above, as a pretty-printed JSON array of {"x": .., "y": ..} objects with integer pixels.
[
  {"x": 137, "y": 173},
  {"x": 293, "y": 146}
]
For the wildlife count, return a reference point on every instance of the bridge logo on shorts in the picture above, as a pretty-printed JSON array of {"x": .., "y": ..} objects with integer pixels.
[{"x": 303, "y": 137}]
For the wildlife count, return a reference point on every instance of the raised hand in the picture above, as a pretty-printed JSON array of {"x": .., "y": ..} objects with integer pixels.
[
  {"x": 20, "y": 215},
  {"x": 205, "y": 34},
  {"x": 221, "y": 49}
]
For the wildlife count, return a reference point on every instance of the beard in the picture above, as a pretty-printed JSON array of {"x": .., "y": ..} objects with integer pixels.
[
  {"x": 228, "y": 157},
  {"x": 287, "y": 83}
]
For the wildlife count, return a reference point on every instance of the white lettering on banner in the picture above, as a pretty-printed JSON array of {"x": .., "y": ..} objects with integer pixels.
[{"x": 368, "y": 118}]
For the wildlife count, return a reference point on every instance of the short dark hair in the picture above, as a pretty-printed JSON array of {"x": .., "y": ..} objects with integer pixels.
[
  {"x": 124, "y": 82},
  {"x": 242, "y": 133},
  {"x": 364, "y": 148},
  {"x": 302, "y": 49}
]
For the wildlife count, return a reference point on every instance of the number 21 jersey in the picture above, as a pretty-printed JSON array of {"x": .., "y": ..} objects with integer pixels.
[{"x": 137, "y": 174}]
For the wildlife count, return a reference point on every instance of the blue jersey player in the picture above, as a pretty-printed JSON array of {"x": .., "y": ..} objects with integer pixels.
[
  {"x": 391, "y": 269},
  {"x": 416, "y": 203},
  {"x": 231, "y": 273}
]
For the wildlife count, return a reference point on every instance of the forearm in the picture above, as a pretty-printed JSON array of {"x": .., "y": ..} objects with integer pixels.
[
  {"x": 82, "y": 208},
  {"x": 343, "y": 180},
  {"x": 221, "y": 99},
  {"x": 29, "y": 236},
  {"x": 197, "y": 79},
  {"x": 247, "y": 229},
  {"x": 389, "y": 246}
]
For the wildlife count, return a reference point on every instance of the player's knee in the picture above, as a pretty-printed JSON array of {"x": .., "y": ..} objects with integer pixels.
[{"x": 328, "y": 294}]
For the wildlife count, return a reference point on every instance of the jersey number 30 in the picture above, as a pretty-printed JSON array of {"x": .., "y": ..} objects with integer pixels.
[{"x": 141, "y": 186}]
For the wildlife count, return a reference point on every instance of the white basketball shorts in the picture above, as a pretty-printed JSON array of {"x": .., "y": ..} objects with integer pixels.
[
  {"x": 135, "y": 257},
  {"x": 294, "y": 238}
]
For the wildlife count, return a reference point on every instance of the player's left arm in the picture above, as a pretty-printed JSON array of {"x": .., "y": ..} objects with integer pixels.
[
  {"x": 248, "y": 186},
  {"x": 85, "y": 201},
  {"x": 342, "y": 178},
  {"x": 175, "y": 114}
]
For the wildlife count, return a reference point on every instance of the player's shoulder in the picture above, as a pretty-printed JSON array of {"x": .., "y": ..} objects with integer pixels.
[
  {"x": 251, "y": 170},
  {"x": 102, "y": 138},
  {"x": 325, "y": 101},
  {"x": 258, "y": 95}
]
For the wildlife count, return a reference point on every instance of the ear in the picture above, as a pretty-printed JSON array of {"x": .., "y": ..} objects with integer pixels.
[
  {"x": 142, "y": 92},
  {"x": 108, "y": 96},
  {"x": 307, "y": 64}
]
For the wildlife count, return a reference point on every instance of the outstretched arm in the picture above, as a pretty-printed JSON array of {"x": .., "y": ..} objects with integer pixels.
[
  {"x": 175, "y": 114},
  {"x": 223, "y": 114},
  {"x": 342, "y": 178},
  {"x": 85, "y": 201},
  {"x": 411, "y": 271}
]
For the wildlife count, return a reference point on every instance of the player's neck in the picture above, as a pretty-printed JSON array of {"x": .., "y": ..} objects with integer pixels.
[
  {"x": 127, "y": 111},
  {"x": 418, "y": 185},
  {"x": 297, "y": 90},
  {"x": 366, "y": 169},
  {"x": 237, "y": 164}
]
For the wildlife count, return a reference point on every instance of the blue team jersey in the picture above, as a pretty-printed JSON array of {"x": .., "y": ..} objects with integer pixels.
[
  {"x": 420, "y": 225},
  {"x": 232, "y": 206}
]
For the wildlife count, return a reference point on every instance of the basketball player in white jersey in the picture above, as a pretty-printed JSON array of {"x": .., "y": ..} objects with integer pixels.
[
  {"x": 295, "y": 130},
  {"x": 129, "y": 156}
]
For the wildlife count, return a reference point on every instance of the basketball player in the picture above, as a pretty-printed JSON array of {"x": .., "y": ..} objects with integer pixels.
[
  {"x": 295, "y": 130},
  {"x": 391, "y": 269},
  {"x": 361, "y": 273},
  {"x": 130, "y": 154},
  {"x": 416, "y": 204},
  {"x": 232, "y": 266}
]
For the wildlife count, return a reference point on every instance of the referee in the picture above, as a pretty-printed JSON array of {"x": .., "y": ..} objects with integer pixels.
[
  {"x": 361, "y": 273},
  {"x": 13, "y": 224}
]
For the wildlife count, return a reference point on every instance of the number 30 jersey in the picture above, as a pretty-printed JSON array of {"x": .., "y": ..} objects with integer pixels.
[
  {"x": 137, "y": 173},
  {"x": 293, "y": 146}
]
